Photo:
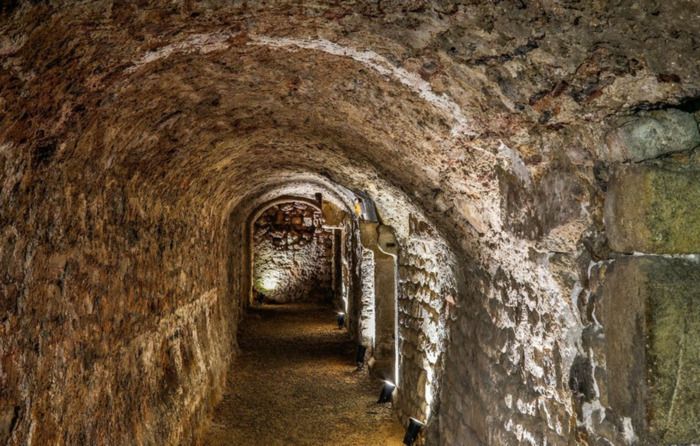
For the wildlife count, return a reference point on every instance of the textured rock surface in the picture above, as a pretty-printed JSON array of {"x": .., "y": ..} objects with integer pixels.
[
  {"x": 654, "y": 209},
  {"x": 653, "y": 134},
  {"x": 293, "y": 254},
  {"x": 136, "y": 138},
  {"x": 366, "y": 324},
  {"x": 67, "y": 366},
  {"x": 648, "y": 306},
  {"x": 423, "y": 314}
]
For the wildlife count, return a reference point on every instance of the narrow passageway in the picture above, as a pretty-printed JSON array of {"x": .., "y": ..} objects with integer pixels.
[
  {"x": 294, "y": 383},
  {"x": 502, "y": 196}
]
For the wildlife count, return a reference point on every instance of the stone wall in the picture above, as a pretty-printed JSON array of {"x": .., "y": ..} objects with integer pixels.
[
  {"x": 293, "y": 254},
  {"x": 512, "y": 127},
  {"x": 115, "y": 328},
  {"x": 637, "y": 384},
  {"x": 644, "y": 369},
  {"x": 426, "y": 288},
  {"x": 366, "y": 313}
]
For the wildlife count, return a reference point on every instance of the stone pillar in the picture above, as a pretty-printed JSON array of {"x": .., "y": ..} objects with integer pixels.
[
  {"x": 366, "y": 316},
  {"x": 375, "y": 237}
]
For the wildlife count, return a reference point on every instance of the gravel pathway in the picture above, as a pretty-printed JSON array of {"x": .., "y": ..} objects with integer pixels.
[{"x": 295, "y": 383}]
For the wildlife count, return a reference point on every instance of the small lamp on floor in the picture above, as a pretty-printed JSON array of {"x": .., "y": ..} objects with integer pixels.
[
  {"x": 341, "y": 320},
  {"x": 412, "y": 431},
  {"x": 387, "y": 392},
  {"x": 259, "y": 298},
  {"x": 360, "y": 356}
]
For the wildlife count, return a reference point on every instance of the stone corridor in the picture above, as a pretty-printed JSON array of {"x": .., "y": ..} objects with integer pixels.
[
  {"x": 295, "y": 383},
  {"x": 502, "y": 198}
]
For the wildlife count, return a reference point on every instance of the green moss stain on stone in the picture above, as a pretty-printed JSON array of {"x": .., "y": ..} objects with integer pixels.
[
  {"x": 649, "y": 312},
  {"x": 673, "y": 350},
  {"x": 673, "y": 215},
  {"x": 654, "y": 210}
]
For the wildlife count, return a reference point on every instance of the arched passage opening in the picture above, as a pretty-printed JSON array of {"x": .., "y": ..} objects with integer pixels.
[
  {"x": 501, "y": 145},
  {"x": 166, "y": 205},
  {"x": 381, "y": 313},
  {"x": 294, "y": 374}
]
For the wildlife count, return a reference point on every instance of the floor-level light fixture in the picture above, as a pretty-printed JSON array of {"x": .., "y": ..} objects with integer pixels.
[
  {"x": 360, "y": 356},
  {"x": 412, "y": 431},
  {"x": 387, "y": 392},
  {"x": 259, "y": 298},
  {"x": 341, "y": 319}
]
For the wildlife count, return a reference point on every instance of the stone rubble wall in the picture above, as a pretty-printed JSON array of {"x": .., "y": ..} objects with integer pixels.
[
  {"x": 426, "y": 285},
  {"x": 293, "y": 261}
]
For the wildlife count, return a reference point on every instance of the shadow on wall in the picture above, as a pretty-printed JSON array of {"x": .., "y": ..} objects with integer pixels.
[{"x": 293, "y": 254}]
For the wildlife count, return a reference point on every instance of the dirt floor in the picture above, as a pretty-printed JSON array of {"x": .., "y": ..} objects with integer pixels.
[{"x": 295, "y": 383}]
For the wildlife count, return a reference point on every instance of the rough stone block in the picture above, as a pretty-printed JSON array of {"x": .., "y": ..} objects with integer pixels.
[
  {"x": 8, "y": 418},
  {"x": 649, "y": 311},
  {"x": 652, "y": 134},
  {"x": 653, "y": 210}
]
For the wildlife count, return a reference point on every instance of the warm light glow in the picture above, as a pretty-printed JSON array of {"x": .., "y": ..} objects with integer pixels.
[
  {"x": 367, "y": 317},
  {"x": 430, "y": 376},
  {"x": 397, "y": 336},
  {"x": 344, "y": 293},
  {"x": 269, "y": 283},
  {"x": 372, "y": 328}
]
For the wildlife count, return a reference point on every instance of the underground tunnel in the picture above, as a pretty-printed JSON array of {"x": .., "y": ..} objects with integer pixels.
[{"x": 236, "y": 222}]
